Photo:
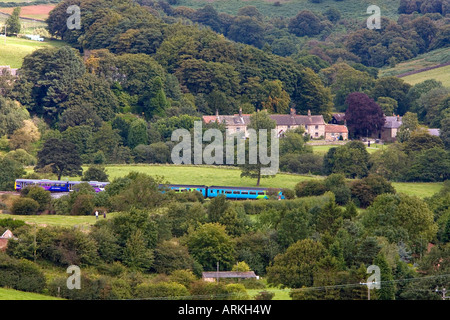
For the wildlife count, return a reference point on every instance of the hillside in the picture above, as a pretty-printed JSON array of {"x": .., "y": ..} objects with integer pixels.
[{"x": 352, "y": 9}]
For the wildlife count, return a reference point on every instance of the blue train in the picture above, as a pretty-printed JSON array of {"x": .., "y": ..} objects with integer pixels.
[{"x": 234, "y": 193}]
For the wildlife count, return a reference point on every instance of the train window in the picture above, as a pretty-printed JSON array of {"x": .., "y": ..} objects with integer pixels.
[
  {"x": 236, "y": 192},
  {"x": 244, "y": 192},
  {"x": 260, "y": 193},
  {"x": 252, "y": 192},
  {"x": 227, "y": 192}
]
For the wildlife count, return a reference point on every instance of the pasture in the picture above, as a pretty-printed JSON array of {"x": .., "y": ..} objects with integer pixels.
[
  {"x": 210, "y": 175},
  {"x": 37, "y": 12},
  {"x": 13, "y": 49},
  {"x": 11, "y": 294},
  {"x": 440, "y": 74}
]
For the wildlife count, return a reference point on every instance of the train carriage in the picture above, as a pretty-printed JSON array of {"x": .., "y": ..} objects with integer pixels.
[
  {"x": 50, "y": 185},
  {"x": 186, "y": 188},
  {"x": 241, "y": 193}
]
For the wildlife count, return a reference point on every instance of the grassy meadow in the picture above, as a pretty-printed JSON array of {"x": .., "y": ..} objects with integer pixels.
[
  {"x": 441, "y": 74},
  {"x": 13, "y": 49},
  {"x": 11, "y": 294},
  {"x": 429, "y": 59}
]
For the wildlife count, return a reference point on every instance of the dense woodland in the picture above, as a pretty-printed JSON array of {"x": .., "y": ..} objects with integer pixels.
[{"x": 135, "y": 72}]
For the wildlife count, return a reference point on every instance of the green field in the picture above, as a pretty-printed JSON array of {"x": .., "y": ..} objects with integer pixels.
[
  {"x": 13, "y": 50},
  {"x": 322, "y": 149},
  {"x": 209, "y": 175},
  {"x": 355, "y": 9},
  {"x": 440, "y": 74},
  {"x": 10, "y": 294},
  {"x": 429, "y": 59},
  {"x": 81, "y": 222}
]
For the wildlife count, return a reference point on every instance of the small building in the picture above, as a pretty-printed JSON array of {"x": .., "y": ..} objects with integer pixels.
[
  {"x": 434, "y": 132},
  {"x": 7, "y": 70},
  {"x": 338, "y": 118},
  {"x": 4, "y": 238},
  {"x": 211, "y": 276},
  {"x": 334, "y": 132},
  {"x": 390, "y": 128}
]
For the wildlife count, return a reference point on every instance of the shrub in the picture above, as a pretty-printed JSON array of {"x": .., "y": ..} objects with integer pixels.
[
  {"x": 365, "y": 191},
  {"x": 265, "y": 295},
  {"x": 288, "y": 193},
  {"x": 41, "y": 196},
  {"x": 83, "y": 205},
  {"x": 169, "y": 290},
  {"x": 25, "y": 206},
  {"x": 21, "y": 274},
  {"x": 310, "y": 188},
  {"x": 236, "y": 291}
]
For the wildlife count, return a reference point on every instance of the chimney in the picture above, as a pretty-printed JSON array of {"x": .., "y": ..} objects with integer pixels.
[
  {"x": 309, "y": 113},
  {"x": 217, "y": 115},
  {"x": 240, "y": 112},
  {"x": 398, "y": 118},
  {"x": 292, "y": 112}
]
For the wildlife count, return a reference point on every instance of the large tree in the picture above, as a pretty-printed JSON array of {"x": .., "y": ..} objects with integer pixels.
[
  {"x": 62, "y": 157},
  {"x": 13, "y": 24},
  {"x": 364, "y": 116},
  {"x": 258, "y": 121}
]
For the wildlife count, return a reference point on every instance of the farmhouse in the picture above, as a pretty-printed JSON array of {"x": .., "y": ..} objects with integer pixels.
[
  {"x": 335, "y": 132},
  {"x": 211, "y": 276},
  {"x": 314, "y": 125},
  {"x": 4, "y": 238},
  {"x": 390, "y": 128},
  {"x": 7, "y": 70}
]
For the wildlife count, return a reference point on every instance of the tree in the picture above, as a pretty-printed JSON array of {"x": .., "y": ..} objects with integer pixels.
[
  {"x": 364, "y": 116},
  {"x": 400, "y": 217},
  {"x": 387, "y": 289},
  {"x": 95, "y": 173},
  {"x": 24, "y": 137},
  {"x": 305, "y": 23},
  {"x": 445, "y": 131},
  {"x": 62, "y": 156},
  {"x": 137, "y": 133},
  {"x": 351, "y": 159},
  {"x": 410, "y": 122},
  {"x": 430, "y": 165},
  {"x": 13, "y": 24},
  {"x": 296, "y": 268},
  {"x": 209, "y": 244},
  {"x": 247, "y": 30},
  {"x": 258, "y": 121},
  {"x": 365, "y": 191},
  {"x": 136, "y": 255},
  {"x": 53, "y": 72}
]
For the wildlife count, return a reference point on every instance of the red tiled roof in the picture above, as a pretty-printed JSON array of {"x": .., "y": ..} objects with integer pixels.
[{"x": 335, "y": 128}]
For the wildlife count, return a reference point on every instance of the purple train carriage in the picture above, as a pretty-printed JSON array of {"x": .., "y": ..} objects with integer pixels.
[{"x": 57, "y": 185}]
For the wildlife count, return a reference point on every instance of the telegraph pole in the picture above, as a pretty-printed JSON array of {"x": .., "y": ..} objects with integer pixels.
[{"x": 443, "y": 291}]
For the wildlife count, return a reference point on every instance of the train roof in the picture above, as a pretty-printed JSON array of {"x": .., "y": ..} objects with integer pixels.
[
  {"x": 184, "y": 185},
  {"x": 41, "y": 180},
  {"x": 240, "y": 188}
]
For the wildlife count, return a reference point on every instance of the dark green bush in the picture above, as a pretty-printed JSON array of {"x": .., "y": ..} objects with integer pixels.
[
  {"x": 24, "y": 206},
  {"x": 310, "y": 188},
  {"x": 20, "y": 274}
]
